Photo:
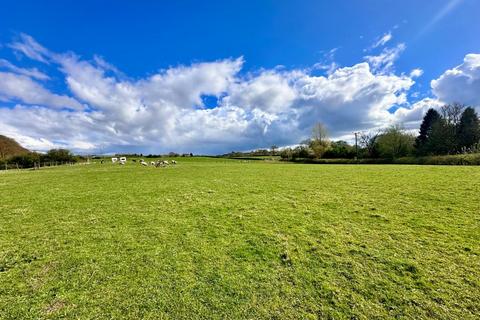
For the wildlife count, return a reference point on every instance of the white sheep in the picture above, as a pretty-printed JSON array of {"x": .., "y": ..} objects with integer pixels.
[{"x": 144, "y": 163}]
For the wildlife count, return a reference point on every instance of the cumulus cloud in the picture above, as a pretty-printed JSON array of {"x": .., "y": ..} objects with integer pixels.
[
  {"x": 269, "y": 91},
  {"x": 460, "y": 84},
  {"x": 165, "y": 111},
  {"x": 411, "y": 117}
]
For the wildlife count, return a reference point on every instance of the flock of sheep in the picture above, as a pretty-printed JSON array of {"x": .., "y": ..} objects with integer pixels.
[{"x": 158, "y": 163}]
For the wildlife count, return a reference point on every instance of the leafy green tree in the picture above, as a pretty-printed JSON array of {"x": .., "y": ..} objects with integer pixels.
[
  {"x": 339, "y": 149},
  {"x": 394, "y": 142},
  {"x": 61, "y": 155},
  {"x": 429, "y": 119},
  {"x": 468, "y": 132}
]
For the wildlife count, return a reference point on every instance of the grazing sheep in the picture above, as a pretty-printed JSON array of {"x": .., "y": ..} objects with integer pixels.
[
  {"x": 174, "y": 162},
  {"x": 114, "y": 160},
  {"x": 144, "y": 163},
  {"x": 165, "y": 161},
  {"x": 152, "y": 163},
  {"x": 124, "y": 159}
]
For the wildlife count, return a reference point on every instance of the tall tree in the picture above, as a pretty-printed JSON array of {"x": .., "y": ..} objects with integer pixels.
[
  {"x": 319, "y": 132},
  {"x": 319, "y": 142},
  {"x": 442, "y": 139},
  {"x": 274, "y": 149},
  {"x": 468, "y": 132},
  {"x": 429, "y": 119}
]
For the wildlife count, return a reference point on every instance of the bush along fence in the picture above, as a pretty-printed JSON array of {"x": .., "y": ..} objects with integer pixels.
[
  {"x": 457, "y": 159},
  {"x": 33, "y": 160}
]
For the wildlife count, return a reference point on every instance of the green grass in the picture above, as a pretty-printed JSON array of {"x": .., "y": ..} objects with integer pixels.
[{"x": 215, "y": 238}]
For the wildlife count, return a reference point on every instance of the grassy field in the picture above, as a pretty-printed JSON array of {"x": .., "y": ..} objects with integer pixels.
[{"x": 227, "y": 239}]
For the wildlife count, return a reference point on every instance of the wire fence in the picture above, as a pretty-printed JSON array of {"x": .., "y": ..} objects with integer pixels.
[{"x": 38, "y": 165}]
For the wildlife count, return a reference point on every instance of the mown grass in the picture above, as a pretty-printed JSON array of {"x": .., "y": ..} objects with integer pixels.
[{"x": 225, "y": 239}]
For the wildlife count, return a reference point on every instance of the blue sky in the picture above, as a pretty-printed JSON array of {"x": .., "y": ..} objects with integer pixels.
[{"x": 216, "y": 76}]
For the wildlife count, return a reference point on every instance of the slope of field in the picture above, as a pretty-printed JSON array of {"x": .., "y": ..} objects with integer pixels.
[
  {"x": 232, "y": 239},
  {"x": 10, "y": 147}
]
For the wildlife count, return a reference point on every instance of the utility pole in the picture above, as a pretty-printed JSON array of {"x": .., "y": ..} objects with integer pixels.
[{"x": 356, "y": 145}]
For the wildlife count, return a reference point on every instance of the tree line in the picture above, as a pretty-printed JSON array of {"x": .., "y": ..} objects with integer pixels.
[
  {"x": 35, "y": 159},
  {"x": 455, "y": 129}
]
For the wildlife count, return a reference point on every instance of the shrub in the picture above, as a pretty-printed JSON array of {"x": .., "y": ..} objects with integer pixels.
[{"x": 339, "y": 149}]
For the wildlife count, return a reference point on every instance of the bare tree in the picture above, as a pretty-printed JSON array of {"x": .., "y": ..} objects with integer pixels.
[
  {"x": 319, "y": 133},
  {"x": 319, "y": 142},
  {"x": 452, "y": 113},
  {"x": 274, "y": 149},
  {"x": 369, "y": 142}
]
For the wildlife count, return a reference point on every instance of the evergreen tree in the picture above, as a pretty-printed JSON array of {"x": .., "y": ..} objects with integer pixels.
[
  {"x": 430, "y": 118},
  {"x": 468, "y": 132},
  {"x": 442, "y": 139}
]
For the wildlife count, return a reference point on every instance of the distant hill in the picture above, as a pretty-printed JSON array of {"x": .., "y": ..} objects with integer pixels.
[{"x": 10, "y": 147}]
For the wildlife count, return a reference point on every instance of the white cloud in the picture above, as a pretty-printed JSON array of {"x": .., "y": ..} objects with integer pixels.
[
  {"x": 328, "y": 64},
  {"x": 415, "y": 73},
  {"x": 412, "y": 117},
  {"x": 383, "y": 40},
  {"x": 19, "y": 87},
  {"x": 33, "y": 73},
  {"x": 460, "y": 84},
  {"x": 269, "y": 91},
  {"x": 165, "y": 111},
  {"x": 31, "y": 48},
  {"x": 352, "y": 98},
  {"x": 385, "y": 60},
  {"x": 40, "y": 128}
]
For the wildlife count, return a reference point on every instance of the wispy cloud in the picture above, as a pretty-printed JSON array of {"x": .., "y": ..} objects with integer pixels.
[
  {"x": 441, "y": 14},
  {"x": 380, "y": 41},
  {"x": 383, "y": 40},
  {"x": 30, "y": 48},
  {"x": 34, "y": 73},
  {"x": 385, "y": 60},
  {"x": 328, "y": 63}
]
